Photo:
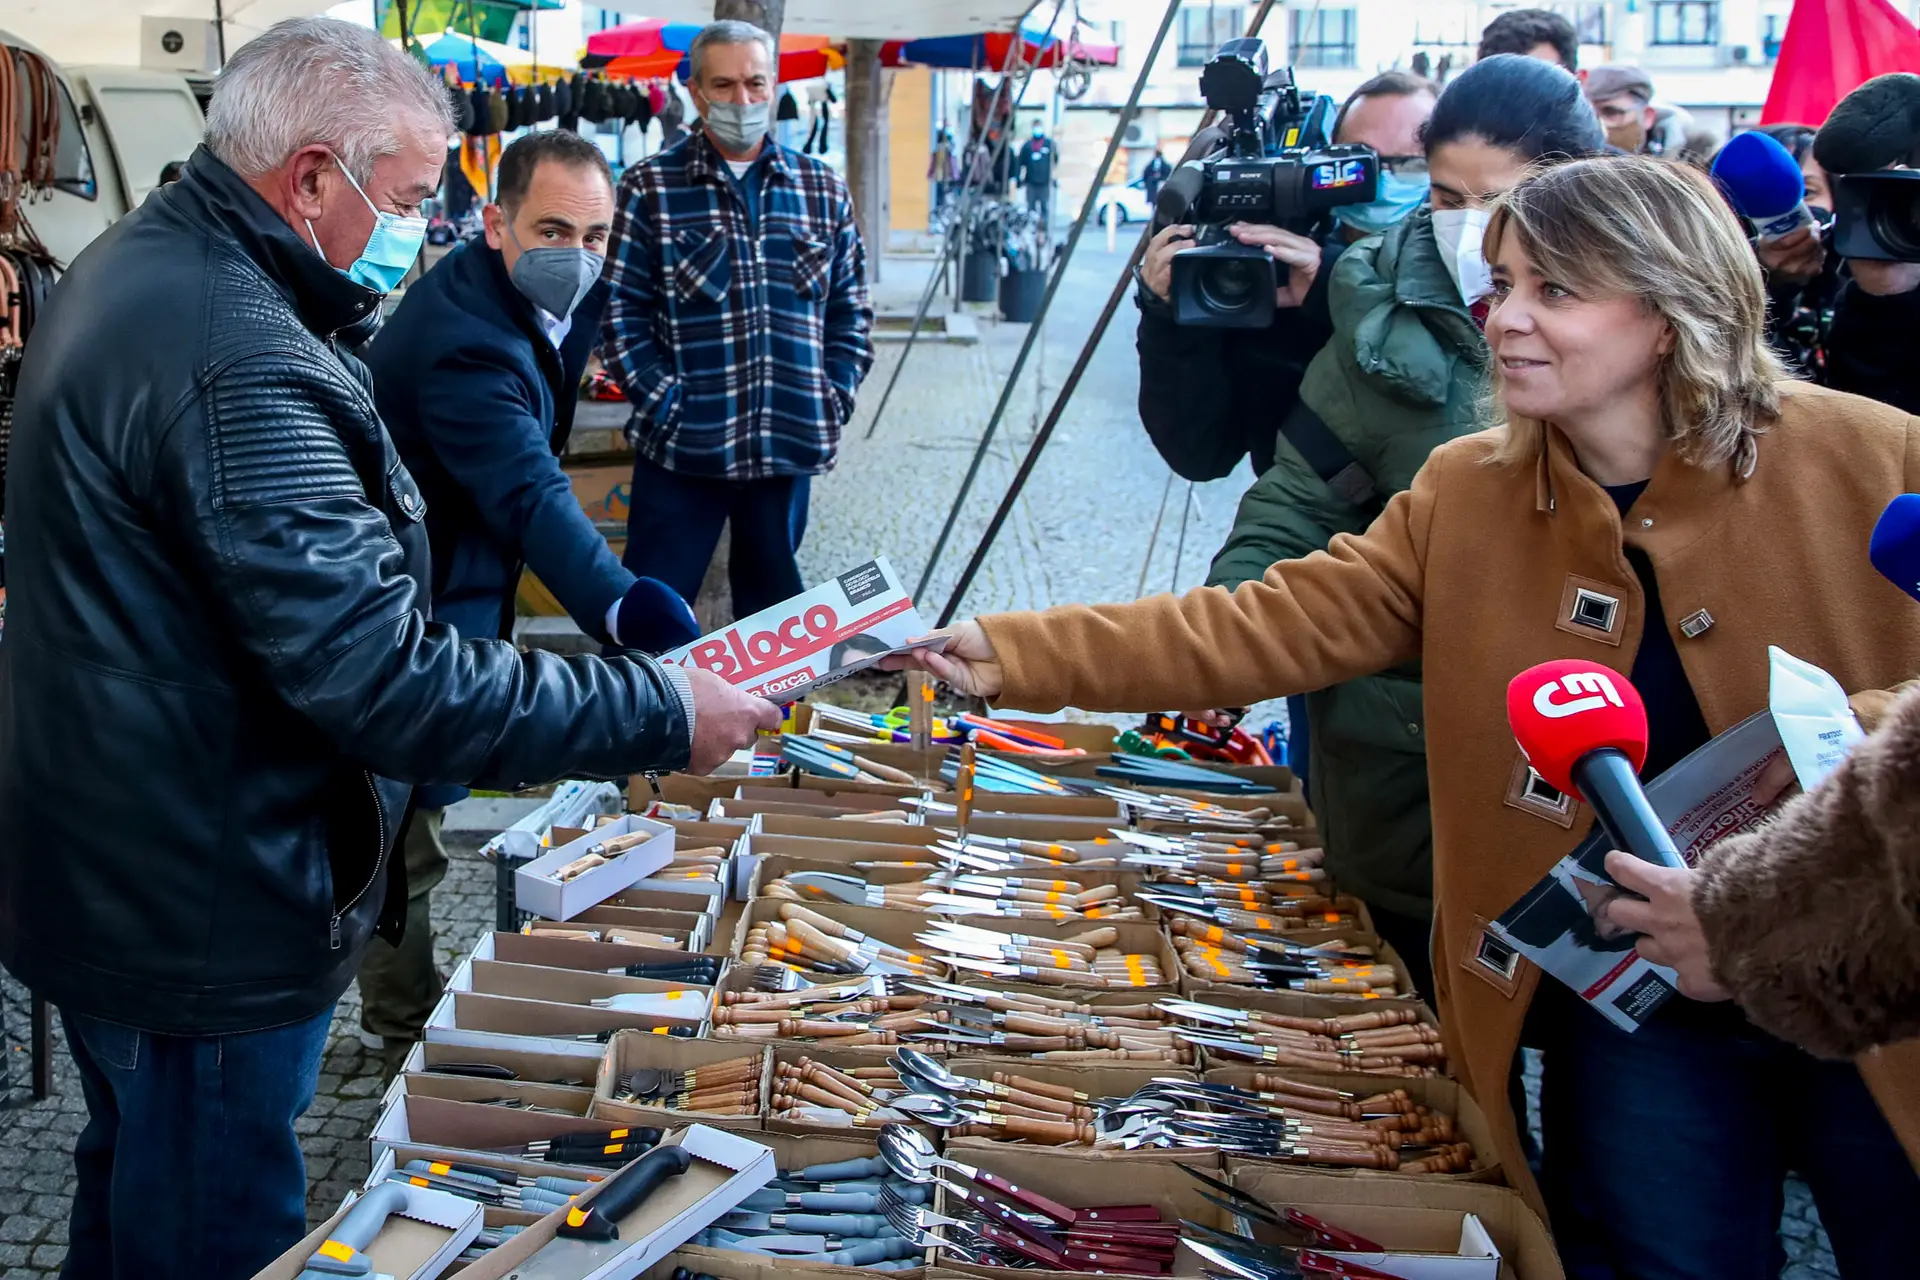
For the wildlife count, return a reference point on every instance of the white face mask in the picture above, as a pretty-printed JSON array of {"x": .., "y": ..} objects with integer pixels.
[{"x": 1459, "y": 233}]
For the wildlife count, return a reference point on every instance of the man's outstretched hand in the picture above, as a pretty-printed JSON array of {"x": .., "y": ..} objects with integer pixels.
[
  {"x": 968, "y": 663},
  {"x": 724, "y": 720}
]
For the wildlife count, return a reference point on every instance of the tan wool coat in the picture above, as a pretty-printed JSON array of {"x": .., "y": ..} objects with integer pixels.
[{"x": 1474, "y": 570}]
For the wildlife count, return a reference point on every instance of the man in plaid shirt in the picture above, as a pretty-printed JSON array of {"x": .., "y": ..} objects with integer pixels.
[{"x": 739, "y": 326}]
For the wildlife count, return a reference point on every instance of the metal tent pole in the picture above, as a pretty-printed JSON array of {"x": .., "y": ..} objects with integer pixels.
[
  {"x": 1067, "y": 389},
  {"x": 1087, "y": 207},
  {"x": 957, "y": 230}
]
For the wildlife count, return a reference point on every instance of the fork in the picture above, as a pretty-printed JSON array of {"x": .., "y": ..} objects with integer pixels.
[
  {"x": 915, "y": 1223},
  {"x": 780, "y": 979}
]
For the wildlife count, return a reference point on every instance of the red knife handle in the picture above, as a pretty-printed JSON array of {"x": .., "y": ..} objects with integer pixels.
[
  {"x": 1031, "y": 1199},
  {"x": 1001, "y": 1215},
  {"x": 1319, "y": 1264},
  {"x": 1026, "y": 1248},
  {"x": 1119, "y": 1213},
  {"x": 1331, "y": 1236},
  {"x": 1116, "y": 1260}
]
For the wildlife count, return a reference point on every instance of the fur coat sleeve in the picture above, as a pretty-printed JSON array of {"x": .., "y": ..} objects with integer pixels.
[{"x": 1813, "y": 923}]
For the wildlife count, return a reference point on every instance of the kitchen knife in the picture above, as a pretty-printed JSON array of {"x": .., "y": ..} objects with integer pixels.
[{"x": 589, "y": 1235}]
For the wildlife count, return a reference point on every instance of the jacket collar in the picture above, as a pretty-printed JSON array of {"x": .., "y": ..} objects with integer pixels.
[
  {"x": 706, "y": 164},
  {"x": 1679, "y": 505},
  {"x": 217, "y": 198},
  {"x": 1420, "y": 280}
]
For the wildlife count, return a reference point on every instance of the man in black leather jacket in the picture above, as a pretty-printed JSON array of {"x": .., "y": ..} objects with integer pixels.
[{"x": 219, "y": 680}]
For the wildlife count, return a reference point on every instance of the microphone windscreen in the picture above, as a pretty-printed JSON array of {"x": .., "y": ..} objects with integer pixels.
[
  {"x": 654, "y": 619},
  {"x": 1760, "y": 177},
  {"x": 1561, "y": 711},
  {"x": 1875, "y": 127},
  {"x": 1895, "y": 549}
]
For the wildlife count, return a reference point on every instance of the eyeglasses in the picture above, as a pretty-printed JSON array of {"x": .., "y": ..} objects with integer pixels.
[{"x": 1404, "y": 166}]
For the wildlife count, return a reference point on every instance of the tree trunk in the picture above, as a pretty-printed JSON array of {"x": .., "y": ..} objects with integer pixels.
[
  {"x": 866, "y": 136},
  {"x": 768, "y": 15}
]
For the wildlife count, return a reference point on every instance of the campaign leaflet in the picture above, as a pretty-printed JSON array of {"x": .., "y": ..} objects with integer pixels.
[
  {"x": 844, "y": 625},
  {"x": 1705, "y": 798}
]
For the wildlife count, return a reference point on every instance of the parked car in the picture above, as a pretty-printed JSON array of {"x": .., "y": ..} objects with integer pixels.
[{"x": 1129, "y": 204}]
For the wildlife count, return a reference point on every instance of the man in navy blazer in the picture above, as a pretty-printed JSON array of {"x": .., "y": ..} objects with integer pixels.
[{"x": 476, "y": 376}]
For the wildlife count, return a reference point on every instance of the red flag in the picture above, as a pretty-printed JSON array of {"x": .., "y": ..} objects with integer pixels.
[{"x": 1831, "y": 48}]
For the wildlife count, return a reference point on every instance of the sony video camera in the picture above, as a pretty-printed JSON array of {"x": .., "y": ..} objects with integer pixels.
[
  {"x": 1876, "y": 215},
  {"x": 1277, "y": 165}
]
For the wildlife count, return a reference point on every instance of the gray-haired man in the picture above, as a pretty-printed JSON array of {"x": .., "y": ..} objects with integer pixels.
[{"x": 219, "y": 682}]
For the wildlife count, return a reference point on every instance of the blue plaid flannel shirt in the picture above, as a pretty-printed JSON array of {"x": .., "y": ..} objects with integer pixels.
[{"x": 740, "y": 352}]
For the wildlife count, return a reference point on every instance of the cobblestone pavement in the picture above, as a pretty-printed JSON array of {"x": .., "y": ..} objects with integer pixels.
[{"x": 1081, "y": 532}]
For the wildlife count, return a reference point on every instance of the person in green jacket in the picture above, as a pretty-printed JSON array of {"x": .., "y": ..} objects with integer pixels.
[{"x": 1406, "y": 371}]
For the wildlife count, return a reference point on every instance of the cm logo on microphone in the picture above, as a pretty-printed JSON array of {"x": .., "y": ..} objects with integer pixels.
[{"x": 1586, "y": 691}]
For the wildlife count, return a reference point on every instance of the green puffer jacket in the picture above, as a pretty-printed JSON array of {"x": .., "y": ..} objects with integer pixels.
[{"x": 1405, "y": 371}]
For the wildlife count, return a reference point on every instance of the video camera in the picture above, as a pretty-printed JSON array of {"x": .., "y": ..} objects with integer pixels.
[
  {"x": 1876, "y": 215},
  {"x": 1276, "y": 165}
]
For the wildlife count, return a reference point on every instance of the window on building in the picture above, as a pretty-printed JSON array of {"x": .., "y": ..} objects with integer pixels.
[
  {"x": 1686, "y": 21},
  {"x": 1589, "y": 22},
  {"x": 1775, "y": 32},
  {"x": 1203, "y": 28},
  {"x": 1325, "y": 37}
]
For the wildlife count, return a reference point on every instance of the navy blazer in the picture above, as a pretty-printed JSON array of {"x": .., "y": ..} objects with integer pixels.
[{"x": 480, "y": 406}]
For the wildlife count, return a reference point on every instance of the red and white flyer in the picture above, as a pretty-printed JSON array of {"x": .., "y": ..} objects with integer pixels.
[{"x": 844, "y": 625}]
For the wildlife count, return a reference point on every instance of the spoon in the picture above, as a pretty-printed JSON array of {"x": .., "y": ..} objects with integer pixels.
[{"x": 910, "y": 1153}]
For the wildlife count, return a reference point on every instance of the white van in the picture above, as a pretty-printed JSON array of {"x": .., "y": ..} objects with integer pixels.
[{"x": 119, "y": 127}]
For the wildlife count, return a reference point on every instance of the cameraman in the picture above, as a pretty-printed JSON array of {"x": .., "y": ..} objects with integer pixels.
[
  {"x": 1870, "y": 343},
  {"x": 1209, "y": 397},
  {"x": 1405, "y": 371}
]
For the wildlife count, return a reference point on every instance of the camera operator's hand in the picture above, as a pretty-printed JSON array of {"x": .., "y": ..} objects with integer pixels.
[
  {"x": 1883, "y": 278},
  {"x": 1299, "y": 255},
  {"x": 1156, "y": 268},
  {"x": 1795, "y": 258}
]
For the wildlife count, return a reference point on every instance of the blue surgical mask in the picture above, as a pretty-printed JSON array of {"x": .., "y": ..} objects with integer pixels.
[
  {"x": 391, "y": 249},
  {"x": 1399, "y": 196}
]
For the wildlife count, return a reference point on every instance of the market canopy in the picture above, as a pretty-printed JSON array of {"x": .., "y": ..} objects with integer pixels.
[
  {"x": 988, "y": 51},
  {"x": 857, "y": 19},
  {"x": 653, "y": 47},
  {"x": 477, "y": 61},
  {"x": 486, "y": 19}
]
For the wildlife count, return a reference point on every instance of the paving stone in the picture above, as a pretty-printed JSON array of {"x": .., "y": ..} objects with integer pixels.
[
  {"x": 49, "y": 1255},
  {"x": 23, "y": 1228},
  {"x": 13, "y": 1255}
]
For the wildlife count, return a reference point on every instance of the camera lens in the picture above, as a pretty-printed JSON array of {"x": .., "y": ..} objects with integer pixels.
[
  {"x": 1895, "y": 218},
  {"x": 1227, "y": 286}
]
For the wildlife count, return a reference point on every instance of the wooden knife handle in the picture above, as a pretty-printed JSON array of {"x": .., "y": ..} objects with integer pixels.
[
  {"x": 1057, "y": 1133},
  {"x": 1039, "y": 1088}
]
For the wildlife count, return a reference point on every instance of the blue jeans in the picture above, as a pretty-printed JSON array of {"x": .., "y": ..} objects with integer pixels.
[
  {"x": 189, "y": 1168},
  {"x": 1665, "y": 1149},
  {"x": 674, "y": 525}
]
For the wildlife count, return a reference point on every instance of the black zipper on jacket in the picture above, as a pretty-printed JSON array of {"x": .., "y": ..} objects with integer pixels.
[{"x": 379, "y": 863}]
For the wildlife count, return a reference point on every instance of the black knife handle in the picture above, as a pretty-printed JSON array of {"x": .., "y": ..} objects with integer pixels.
[
  {"x": 622, "y": 1194},
  {"x": 479, "y": 1070}
]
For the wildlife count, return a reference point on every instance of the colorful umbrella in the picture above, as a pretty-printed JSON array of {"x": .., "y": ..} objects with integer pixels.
[
  {"x": 653, "y": 47},
  {"x": 988, "y": 52}
]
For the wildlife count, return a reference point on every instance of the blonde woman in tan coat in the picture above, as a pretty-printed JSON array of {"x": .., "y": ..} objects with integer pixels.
[{"x": 1657, "y": 500}]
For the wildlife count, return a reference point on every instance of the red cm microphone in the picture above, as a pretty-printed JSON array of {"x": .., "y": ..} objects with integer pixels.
[{"x": 1583, "y": 728}]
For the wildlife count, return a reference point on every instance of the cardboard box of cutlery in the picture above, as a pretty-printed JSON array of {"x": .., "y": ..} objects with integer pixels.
[
  {"x": 753, "y": 1031},
  {"x": 1332, "y": 1012},
  {"x": 537, "y": 1026},
  {"x": 816, "y": 828},
  {"x": 670, "y": 886},
  {"x": 893, "y": 928},
  {"x": 1090, "y": 1082},
  {"x": 808, "y": 1112},
  {"x": 725, "y": 1168},
  {"x": 679, "y": 1002},
  {"x": 681, "y": 789},
  {"x": 467, "y": 1062},
  {"x": 1376, "y": 1208},
  {"x": 1137, "y": 958},
  {"x": 794, "y": 1155},
  {"x": 1057, "y": 893},
  {"x": 651, "y": 1062},
  {"x": 649, "y": 928},
  {"x": 456, "y": 1125},
  {"x": 549, "y": 1099},
  {"x": 398, "y": 1155},
  {"x": 1151, "y": 1191},
  {"x": 551, "y": 952},
  {"x": 421, "y": 1233},
  {"x": 537, "y": 889},
  {"x": 1194, "y": 988},
  {"x": 468, "y": 1176},
  {"x": 1435, "y": 1094}
]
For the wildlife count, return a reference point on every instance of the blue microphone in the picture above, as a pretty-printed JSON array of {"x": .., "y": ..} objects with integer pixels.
[
  {"x": 654, "y": 619},
  {"x": 1895, "y": 549},
  {"x": 1764, "y": 184}
]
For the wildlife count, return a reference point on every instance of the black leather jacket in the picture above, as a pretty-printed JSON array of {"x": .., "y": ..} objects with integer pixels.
[{"x": 216, "y": 657}]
